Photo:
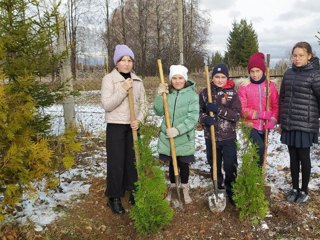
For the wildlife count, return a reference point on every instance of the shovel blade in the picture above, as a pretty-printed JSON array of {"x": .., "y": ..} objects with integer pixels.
[
  {"x": 176, "y": 198},
  {"x": 217, "y": 201}
]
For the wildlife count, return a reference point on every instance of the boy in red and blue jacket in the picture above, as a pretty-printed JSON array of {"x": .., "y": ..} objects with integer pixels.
[{"x": 226, "y": 107}]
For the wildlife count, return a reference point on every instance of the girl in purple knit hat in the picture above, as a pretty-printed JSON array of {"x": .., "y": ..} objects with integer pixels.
[{"x": 121, "y": 170}]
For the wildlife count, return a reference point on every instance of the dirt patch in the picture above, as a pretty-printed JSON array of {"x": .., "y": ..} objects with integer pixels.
[{"x": 90, "y": 218}]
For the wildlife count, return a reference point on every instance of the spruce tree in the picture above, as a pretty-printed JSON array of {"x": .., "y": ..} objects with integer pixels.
[{"x": 241, "y": 43}]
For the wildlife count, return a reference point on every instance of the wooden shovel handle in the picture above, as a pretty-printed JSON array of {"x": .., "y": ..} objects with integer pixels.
[
  {"x": 267, "y": 109},
  {"x": 133, "y": 118},
  {"x": 168, "y": 123},
  {"x": 212, "y": 130}
]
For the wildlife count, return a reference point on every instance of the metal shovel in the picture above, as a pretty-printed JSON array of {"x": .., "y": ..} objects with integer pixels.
[{"x": 217, "y": 199}]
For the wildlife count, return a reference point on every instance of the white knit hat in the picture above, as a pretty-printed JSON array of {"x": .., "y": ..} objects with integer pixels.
[{"x": 180, "y": 70}]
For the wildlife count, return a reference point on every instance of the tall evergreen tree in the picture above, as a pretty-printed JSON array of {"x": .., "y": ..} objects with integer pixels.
[
  {"x": 216, "y": 58},
  {"x": 27, "y": 32},
  {"x": 242, "y": 42}
]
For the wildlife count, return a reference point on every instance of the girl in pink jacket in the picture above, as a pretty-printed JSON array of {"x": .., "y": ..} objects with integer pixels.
[{"x": 253, "y": 101}]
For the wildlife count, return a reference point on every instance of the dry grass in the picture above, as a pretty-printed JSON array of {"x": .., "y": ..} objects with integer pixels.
[{"x": 91, "y": 80}]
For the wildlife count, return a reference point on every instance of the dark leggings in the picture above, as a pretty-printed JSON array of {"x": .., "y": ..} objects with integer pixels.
[
  {"x": 300, "y": 156},
  {"x": 184, "y": 172},
  {"x": 258, "y": 138}
]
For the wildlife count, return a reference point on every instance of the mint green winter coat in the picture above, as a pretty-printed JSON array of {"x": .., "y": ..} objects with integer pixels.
[{"x": 184, "y": 115}]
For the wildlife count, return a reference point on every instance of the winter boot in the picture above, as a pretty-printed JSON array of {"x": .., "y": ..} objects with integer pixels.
[
  {"x": 303, "y": 197},
  {"x": 171, "y": 188},
  {"x": 116, "y": 205},
  {"x": 186, "y": 196},
  {"x": 292, "y": 195}
]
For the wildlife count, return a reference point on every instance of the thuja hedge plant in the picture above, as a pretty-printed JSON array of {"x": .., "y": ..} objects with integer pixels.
[
  {"x": 248, "y": 189},
  {"x": 26, "y": 154},
  {"x": 151, "y": 211}
]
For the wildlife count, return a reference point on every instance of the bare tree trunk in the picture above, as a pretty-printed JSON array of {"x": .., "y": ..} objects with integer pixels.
[
  {"x": 123, "y": 22},
  {"x": 108, "y": 39},
  {"x": 158, "y": 28},
  {"x": 66, "y": 77},
  {"x": 72, "y": 21},
  {"x": 180, "y": 29},
  {"x": 143, "y": 21}
]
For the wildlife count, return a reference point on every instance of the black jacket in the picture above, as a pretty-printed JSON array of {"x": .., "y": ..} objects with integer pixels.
[
  {"x": 300, "y": 98},
  {"x": 229, "y": 111}
]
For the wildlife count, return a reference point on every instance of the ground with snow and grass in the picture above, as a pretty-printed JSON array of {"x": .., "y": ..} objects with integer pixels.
[{"x": 78, "y": 210}]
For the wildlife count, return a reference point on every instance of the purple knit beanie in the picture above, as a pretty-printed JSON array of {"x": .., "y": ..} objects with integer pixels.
[{"x": 120, "y": 51}]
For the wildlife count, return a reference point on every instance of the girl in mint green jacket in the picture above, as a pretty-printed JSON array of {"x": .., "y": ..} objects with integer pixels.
[{"x": 183, "y": 104}]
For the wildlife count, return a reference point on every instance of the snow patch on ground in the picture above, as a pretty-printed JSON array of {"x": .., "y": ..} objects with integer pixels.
[{"x": 41, "y": 208}]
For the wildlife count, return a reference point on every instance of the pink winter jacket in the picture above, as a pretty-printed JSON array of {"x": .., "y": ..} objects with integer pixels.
[{"x": 253, "y": 101}]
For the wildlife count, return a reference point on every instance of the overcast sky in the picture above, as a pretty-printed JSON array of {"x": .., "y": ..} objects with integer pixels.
[{"x": 279, "y": 24}]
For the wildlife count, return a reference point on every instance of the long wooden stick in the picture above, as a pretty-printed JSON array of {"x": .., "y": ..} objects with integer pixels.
[
  {"x": 134, "y": 132},
  {"x": 266, "y": 137},
  {"x": 212, "y": 133},
  {"x": 168, "y": 125}
]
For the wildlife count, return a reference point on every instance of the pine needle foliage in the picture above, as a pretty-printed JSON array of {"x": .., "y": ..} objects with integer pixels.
[
  {"x": 249, "y": 186},
  {"x": 151, "y": 211}
]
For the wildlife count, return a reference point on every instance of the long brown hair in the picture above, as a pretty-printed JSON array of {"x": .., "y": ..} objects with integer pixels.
[{"x": 303, "y": 45}]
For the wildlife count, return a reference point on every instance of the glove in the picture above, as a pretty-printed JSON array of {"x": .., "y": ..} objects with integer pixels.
[
  {"x": 266, "y": 115},
  {"x": 163, "y": 88},
  {"x": 127, "y": 84},
  {"x": 212, "y": 107},
  {"x": 210, "y": 121},
  {"x": 270, "y": 125},
  {"x": 172, "y": 132}
]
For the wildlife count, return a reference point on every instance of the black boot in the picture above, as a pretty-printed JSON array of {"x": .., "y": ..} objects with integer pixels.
[
  {"x": 116, "y": 205},
  {"x": 131, "y": 198}
]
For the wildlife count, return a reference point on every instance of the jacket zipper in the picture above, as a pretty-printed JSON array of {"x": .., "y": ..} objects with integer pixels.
[{"x": 174, "y": 108}]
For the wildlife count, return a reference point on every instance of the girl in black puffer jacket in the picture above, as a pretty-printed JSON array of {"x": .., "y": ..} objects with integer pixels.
[{"x": 299, "y": 115}]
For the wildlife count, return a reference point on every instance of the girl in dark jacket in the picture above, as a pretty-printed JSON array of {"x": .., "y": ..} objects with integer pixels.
[
  {"x": 299, "y": 115},
  {"x": 227, "y": 108}
]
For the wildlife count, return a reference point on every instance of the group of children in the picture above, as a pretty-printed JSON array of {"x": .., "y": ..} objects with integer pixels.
[{"x": 296, "y": 110}]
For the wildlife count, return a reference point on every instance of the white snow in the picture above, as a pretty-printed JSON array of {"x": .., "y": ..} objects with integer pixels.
[{"x": 41, "y": 208}]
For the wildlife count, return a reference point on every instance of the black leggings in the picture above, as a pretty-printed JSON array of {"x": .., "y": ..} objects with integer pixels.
[
  {"x": 300, "y": 156},
  {"x": 184, "y": 172}
]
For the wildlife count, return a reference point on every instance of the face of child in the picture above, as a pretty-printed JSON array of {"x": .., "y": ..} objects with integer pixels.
[
  {"x": 300, "y": 57},
  {"x": 125, "y": 65},
  {"x": 256, "y": 73},
  {"x": 219, "y": 80},
  {"x": 178, "y": 81}
]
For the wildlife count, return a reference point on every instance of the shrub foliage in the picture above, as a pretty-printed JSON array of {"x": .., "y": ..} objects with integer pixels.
[
  {"x": 249, "y": 186},
  {"x": 151, "y": 211}
]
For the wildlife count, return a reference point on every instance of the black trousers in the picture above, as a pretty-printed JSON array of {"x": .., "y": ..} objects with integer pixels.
[
  {"x": 226, "y": 154},
  {"x": 121, "y": 169},
  {"x": 258, "y": 139},
  {"x": 300, "y": 156}
]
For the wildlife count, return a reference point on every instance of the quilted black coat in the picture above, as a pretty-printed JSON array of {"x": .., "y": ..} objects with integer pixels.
[{"x": 300, "y": 98}]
